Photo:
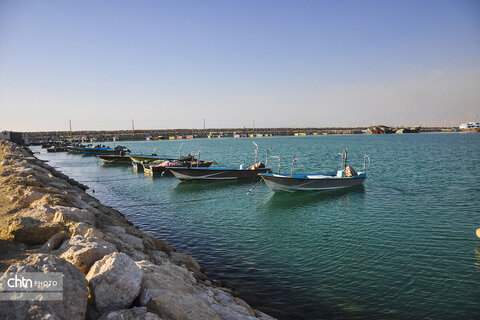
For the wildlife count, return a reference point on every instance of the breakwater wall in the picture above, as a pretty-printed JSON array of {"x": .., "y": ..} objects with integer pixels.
[
  {"x": 110, "y": 268},
  {"x": 137, "y": 135}
]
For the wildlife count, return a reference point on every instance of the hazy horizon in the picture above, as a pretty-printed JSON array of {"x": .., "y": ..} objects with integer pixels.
[{"x": 280, "y": 63}]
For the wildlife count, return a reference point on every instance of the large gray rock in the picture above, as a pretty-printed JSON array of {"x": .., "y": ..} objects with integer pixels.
[
  {"x": 157, "y": 257},
  {"x": 69, "y": 214},
  {"x": 83, "y": 252},
  {"x": 130, "y": 314},
  {"x": 226, "y": 306},
  {"x": 75, "y": 292},
  {"x": 29, "y": 230},
  {"x": 184, "y": 259},
  {"x": 115, "y": 282},
  {"x": 56, "y": 240},
  {"x": 132, "y": 241},
  {"x": 84, "y": 230},
  {"x": 172, "y": 292}
]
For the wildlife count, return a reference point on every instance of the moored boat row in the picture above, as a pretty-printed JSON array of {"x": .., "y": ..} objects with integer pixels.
[
  {"x": 99, "y": 150},
  {"x": 190, "y": 168}
]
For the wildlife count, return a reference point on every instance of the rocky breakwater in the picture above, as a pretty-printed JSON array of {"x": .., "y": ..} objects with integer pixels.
[{"x": 111, "y": 269}]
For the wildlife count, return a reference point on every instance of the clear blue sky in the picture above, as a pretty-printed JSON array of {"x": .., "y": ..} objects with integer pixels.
[{"x": 171, "y": 64}]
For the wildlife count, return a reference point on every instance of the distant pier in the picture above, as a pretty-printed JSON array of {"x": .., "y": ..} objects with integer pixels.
[{"x": 175, "y": 134}]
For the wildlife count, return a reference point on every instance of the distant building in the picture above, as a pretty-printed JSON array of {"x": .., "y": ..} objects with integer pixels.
[{"x": 12, "y": 136}]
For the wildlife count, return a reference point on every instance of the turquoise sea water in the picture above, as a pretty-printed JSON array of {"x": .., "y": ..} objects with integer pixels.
[{"x": 401, "y": 247}]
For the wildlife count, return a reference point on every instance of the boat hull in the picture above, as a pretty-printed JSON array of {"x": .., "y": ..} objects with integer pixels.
[
  {"x": 470, "y": 130},
  {"x": 57, "y": 149},
  {"x": 115, "y": 159},
  {"x": 158, "y": 169},
  {"x": 141, "y": 158},
  {"x": 185, "y": 174},
  {"x": 97, "y": 151},
  {"x": 281, "y": 183}
]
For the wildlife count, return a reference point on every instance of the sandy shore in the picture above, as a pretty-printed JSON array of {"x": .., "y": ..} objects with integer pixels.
[{"x": 111, "y": 269}]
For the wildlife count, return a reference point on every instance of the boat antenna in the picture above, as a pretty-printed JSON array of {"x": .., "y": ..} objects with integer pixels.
[
  {"x": 346, "y": 151},
  {"x": 198, "y": 158},
  {"x": 365, "y": 157},
  {"x": 180, "y": 150},
  {"x": 341, "y": 164},
  {"x": 293, "y": 162},
  {"x": 256, "y": 151}
]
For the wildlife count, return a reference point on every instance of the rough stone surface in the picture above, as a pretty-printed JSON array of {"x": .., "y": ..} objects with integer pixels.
[
  {"x": 69, "y": 214},
  {"x": 172, "y": 292},
  {"x": 130, "y": 314},
  {"x": 56, "y": 240},
  {"x": 83, "y": 252},
  {"x": 84, "y": 230},
  {"x": 75, "y": 292},
  {"x": 115, "y": 282},
  {"x": 31, "y": 231},
  {"x": 133, "y": 241},
  {"x": 157, "y": 257},
  {"x": 184, "y": 259}
]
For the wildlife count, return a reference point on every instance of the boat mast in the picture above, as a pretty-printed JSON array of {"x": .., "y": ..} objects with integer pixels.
[{"x": 256, "y": 152}]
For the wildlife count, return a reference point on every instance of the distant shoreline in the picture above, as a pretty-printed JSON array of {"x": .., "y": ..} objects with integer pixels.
[{"x": 174, "y": 134}]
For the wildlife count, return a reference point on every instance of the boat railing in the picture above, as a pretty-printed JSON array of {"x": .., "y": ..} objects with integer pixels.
[
  {"x": 256, "y": 151},
  {"x": 365, "y": 158},
  {"x": 279, "y": 157},
  {"x": 293, "y": 164}
]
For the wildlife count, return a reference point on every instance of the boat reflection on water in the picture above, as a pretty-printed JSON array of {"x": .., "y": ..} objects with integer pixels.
[
  {"x": 477, "y": 255},
  {"x": 240, "y": 186},
  {"x": 302, "y": 198}
]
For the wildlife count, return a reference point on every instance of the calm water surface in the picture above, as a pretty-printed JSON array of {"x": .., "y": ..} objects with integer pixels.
[{"x": 401, "y": 247}]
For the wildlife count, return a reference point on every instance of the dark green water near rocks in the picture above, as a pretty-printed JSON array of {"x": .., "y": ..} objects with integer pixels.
[{"x": 401, "y": 247}]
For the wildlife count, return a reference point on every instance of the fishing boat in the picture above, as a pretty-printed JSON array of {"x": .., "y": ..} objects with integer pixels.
[
  {"x": 216, "y": 173},
  {"x": 343, "y": 178},
  {"x": 380, "y": 129},
  {"x": 101, "y": 150},
  {"x": 408, "y": 130},
  {"x": 57, "y": 149},
  {"x": 115, "y": 159},
  {"x": 159, "y": 168},
  {"x": 470, "y": 127}
]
